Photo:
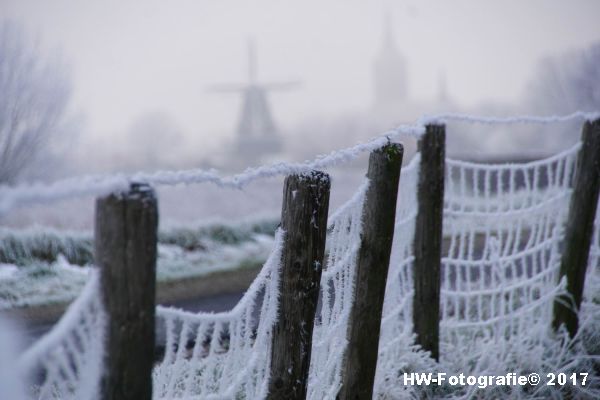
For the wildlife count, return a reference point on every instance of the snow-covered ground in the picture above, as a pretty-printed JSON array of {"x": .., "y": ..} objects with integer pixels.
[
  {"x": 42, "y": 266},
  {"x": 45, "y": 249}
]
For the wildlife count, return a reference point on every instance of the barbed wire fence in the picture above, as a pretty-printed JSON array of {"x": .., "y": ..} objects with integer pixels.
[{"x": 503, "y": 233}]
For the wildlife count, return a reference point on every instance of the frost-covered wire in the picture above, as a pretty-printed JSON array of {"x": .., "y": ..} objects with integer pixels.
[
  {"x": 69, "y": 358},
  {"x": 336, "y": 295},
  {"x": 224, "y": 355},
  {"x": 503, "y": 230},
  {"x": 23, "y": 195},
  {"x": 11, "y": 197},
  {"x": 509, "y": 120}
]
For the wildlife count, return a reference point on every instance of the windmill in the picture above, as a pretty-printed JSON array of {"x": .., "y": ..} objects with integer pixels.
[{"x": 257, "y": 136}]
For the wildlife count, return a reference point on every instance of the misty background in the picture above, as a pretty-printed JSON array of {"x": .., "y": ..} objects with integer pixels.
[{"x": 149, "y": 85}]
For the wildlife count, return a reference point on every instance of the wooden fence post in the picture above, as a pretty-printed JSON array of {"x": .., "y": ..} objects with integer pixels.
[
  {"x": 378, "y": 219},
  {"x": 580, "y": 228},
  {"x": 304, "y": 220},
  {"x": 125, "y": 252},
  {"x": 428, "y": 239}
]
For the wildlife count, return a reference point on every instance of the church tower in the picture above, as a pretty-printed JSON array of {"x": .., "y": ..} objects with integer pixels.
[{"x": 390, "y": 80}]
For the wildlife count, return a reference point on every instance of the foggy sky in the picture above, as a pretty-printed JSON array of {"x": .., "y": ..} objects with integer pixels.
[{"x": 133, "y": 57}]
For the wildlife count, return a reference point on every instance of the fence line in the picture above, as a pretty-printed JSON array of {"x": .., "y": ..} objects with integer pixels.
[{"x": 495, "y": 309}]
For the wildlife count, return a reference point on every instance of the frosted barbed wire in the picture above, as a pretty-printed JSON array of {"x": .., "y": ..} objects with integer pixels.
[
  {"x": 509, "y": 120},
  {"x": 11, "y": 197},
  {"x": 66, "y": 363}
]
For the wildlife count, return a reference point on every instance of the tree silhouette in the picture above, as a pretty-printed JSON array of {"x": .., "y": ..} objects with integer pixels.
[
  {"x": 34, "y": 93},
  {"x": 567, "y": 82},
  {"x": 561, "y": 84}
]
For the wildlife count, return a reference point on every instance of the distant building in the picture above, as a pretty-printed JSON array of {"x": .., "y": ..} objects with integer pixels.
[
  {"x": 392, "y": 99},
  {"x": 258, "y": 139},
  {"x": 393, "y": 103},
  {"x": 389, "y": 70}
]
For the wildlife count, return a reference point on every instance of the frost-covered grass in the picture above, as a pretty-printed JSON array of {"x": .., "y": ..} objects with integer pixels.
[
  {"x": 536, "y": 349},
  {"x": 197, "y": 238},
  {"x": 42, "y": 266},
  {"x": 33, "y": 246},
  {"x": 27, "y": 246},
  {"x": 40, "y": 283}
]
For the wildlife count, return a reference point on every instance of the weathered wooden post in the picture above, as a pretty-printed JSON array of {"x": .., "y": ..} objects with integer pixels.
[
  {"x": 378, "y": 219},
  {"x": 428, "y": 239},
  {"x": 125, "y": 252},
  {"x": 580, "y": 228},
  {"x": 304, "y": 220}
]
